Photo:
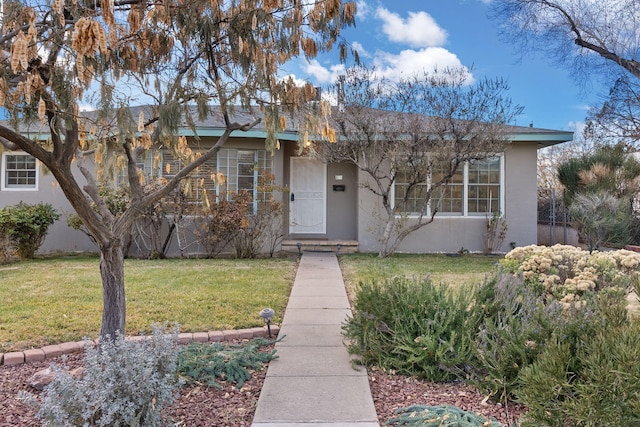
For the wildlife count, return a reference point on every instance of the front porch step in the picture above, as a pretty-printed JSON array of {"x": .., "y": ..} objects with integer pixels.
[{"x": 319, "y": 245}]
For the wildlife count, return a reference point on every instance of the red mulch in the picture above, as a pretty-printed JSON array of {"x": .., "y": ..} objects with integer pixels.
[{"x": 200, "y": 406}]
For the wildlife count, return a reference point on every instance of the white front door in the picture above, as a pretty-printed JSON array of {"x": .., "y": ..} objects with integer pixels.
[{"x": 307, "y": 206}]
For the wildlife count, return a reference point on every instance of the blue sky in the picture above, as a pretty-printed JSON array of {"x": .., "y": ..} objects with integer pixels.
[{"x": 404, "y": 36}]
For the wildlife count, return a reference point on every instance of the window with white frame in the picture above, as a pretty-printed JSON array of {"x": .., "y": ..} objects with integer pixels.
[
  {"x": 476, "y": 188},
  {"x": 243, "y": 171},
  {"x": 19, "y": 172}
]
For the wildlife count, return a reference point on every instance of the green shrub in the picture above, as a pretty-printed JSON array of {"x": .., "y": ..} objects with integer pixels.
[
  {"x": 125, "y": 383},
  {"x": 513, "y": 328},
  {"x": 596, "y": 383},
  {"x": 518, "y": 324},
  {"x": 602, "y": 218},
  {"x": 412, "y": 327},
  {"x": 209, "y": 363},
  {"x": 26, "y": 226}
]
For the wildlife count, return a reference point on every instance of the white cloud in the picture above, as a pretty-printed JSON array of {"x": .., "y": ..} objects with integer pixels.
[
  {"x": 418, "y": 30},
  {"x": 361, "y": 50},
  {"x": 412, "y": 62},
  {"x": 321, "y": 73},
  {"x": 362, "y": 10},
  {"x": 296, "y": 80}
]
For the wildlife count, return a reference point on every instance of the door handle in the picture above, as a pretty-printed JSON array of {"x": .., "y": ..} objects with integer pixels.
[{"x": 293, "y": 197}]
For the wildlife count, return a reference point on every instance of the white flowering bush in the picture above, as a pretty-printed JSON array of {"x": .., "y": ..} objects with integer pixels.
[{"x": 566, "y": 273}]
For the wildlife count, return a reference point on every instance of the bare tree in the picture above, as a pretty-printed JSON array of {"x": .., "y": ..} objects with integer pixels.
[
  {"x": 618, "y": 118},
  {"x": 57, "y": 55},
  {"x": 574, "y": 32},
  {"x": 411, "y": 138},
  {"x": 591, "y": 38}
]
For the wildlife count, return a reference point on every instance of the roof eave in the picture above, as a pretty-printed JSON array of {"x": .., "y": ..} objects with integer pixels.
[{"x": 543, "y": 139}]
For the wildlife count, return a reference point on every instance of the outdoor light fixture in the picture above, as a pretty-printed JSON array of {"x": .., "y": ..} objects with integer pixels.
[{"x": 267, "y": 315}]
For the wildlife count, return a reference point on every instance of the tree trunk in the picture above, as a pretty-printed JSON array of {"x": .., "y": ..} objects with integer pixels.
[{"x": 114, "y": 304}]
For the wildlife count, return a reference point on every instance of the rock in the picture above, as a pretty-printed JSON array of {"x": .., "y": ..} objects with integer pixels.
[{"x": 43, "y": 378}]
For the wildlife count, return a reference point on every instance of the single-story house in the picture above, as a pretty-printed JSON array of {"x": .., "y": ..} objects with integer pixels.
[{"x": 324, "y": 204}]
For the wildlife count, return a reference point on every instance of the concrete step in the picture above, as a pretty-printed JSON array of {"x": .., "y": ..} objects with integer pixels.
[{"x": 320, "y": 245}]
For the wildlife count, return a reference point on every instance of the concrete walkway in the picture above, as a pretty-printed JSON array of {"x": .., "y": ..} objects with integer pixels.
[{"x": 313, "y": 382}]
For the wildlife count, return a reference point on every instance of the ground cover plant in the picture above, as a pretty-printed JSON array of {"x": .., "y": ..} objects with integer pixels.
[
  {"x": 48, "y": 301},
  {"x": 550, "y": 328},
  {"x": 210, "y": 363}
]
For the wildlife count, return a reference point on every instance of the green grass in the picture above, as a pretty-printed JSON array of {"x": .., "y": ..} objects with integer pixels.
[
  {"x": 56, "y": 300},
  {"x": 468, "y": 269}
]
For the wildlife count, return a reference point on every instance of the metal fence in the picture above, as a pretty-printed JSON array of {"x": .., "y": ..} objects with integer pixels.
[{"x": 553, "y": 219}]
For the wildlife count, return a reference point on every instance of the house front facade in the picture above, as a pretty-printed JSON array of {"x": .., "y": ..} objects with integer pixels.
[{"x": 321, "y": 202}]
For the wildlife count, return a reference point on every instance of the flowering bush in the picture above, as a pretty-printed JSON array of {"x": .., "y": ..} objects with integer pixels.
[{"x": 566, "y": 273}]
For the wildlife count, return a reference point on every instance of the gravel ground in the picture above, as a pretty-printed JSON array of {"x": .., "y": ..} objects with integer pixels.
[{"x": 201, "y": 406}]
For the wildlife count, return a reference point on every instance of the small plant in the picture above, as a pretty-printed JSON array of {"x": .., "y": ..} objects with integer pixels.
[
  {"x": 209, "y": 363},
  {"x": 496, "y": 232},
  {"x": 223, "y": 222},
  {"x": 413, "y": 327},
  {"x": 125, "y": 383},
  {"x": 26, "y": 226},
  {"x": 439, "y": 416},
  {"x": 264, "y": 226}
]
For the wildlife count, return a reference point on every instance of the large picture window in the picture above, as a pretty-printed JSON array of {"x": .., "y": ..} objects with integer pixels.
[
  {"x": 243, "y": 171},
  {"x": 19, "y": 172},
  {"x": 474, "y": 189},
  {"x": 230, "y": 172}
]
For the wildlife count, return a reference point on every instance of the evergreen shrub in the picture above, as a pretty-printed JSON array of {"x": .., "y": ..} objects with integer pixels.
[
  {"x": 413, "y": 327},
  {"x": 592, "y": 382},
  {"x": 25, "y": 226}
]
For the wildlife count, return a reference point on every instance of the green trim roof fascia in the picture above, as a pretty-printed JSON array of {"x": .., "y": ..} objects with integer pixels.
[
  {"x": 543, "y": 138},
  {"x": 554, "y": 137},
  {"x": 257, "y": 134}
]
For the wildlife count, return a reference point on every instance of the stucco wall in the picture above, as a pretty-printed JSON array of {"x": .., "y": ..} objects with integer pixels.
[
  {"x": 64, "y": 239},
  {"x": 60, "y": 236},
  {"x": 450, "y": 234}
]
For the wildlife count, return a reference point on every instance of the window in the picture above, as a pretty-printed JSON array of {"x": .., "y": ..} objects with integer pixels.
[
  {"x": 200, "y": 185},
  {"x": 484, "y": 186},
  {"x": 19, "y": 172},
  {"x": 149, "y": 162},
  {"x": 475, "y": 189},
  {"x": 243, "y": 171},
  {"x": 230, "y": 172}
]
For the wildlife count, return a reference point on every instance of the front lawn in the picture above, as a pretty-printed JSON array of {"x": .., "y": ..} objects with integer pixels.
[
  {"x": 467, "y": 269},
  {"x": 56, "y": 300}
]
